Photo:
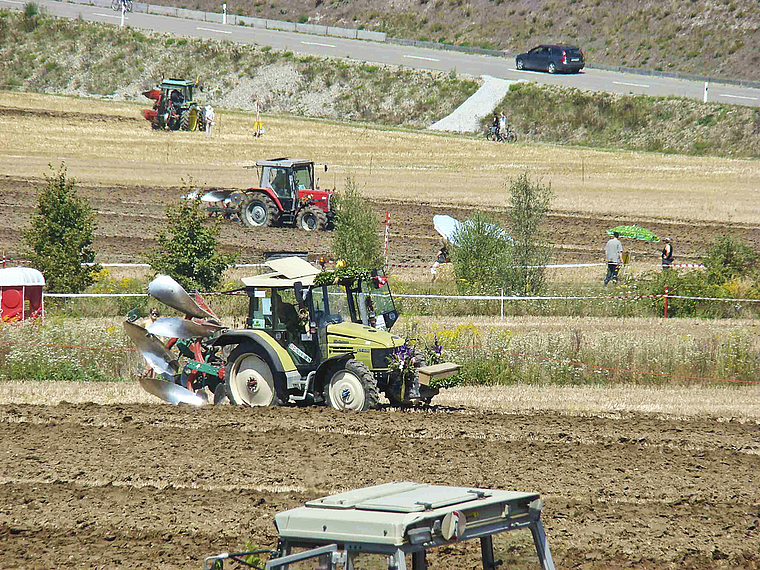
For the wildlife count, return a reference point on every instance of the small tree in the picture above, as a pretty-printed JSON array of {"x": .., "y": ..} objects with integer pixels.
[
  {"x": 59, "y": 239},
  {"x": 728, "y": 258},
  {"x": 355, "y": 238},
  {"x": 479, "y": 254},
  {"x": 187, "y": 248},
  {"x": 531, "y": 251}
]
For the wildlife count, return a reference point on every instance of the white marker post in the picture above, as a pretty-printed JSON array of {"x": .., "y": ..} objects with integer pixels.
[
  {"x": 123, "y": 9},
  {"x": 705, "y": 98},
  {"x": 224, "y": 13}
]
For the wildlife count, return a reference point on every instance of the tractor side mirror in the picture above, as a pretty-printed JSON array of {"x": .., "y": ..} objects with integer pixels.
[{"x": 299, "y": 290}]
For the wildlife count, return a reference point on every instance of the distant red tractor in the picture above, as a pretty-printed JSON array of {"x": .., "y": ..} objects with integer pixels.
[{"x": 288, "y": 194}]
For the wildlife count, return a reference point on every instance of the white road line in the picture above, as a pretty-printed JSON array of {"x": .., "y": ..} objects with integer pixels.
[
  {"x": 631, "y": 84},
  {"x": 10, "y": 2},
  {"x": 213, "y": 30},
  {"x": 419, "y": 57},
  {"x": 737, "y": 96},
  {"x": 317, "y": 44},
  {"x": 109, "y": 15}
]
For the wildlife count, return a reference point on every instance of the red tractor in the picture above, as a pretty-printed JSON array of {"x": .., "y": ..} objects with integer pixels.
[{"x": 287, "y": 195}]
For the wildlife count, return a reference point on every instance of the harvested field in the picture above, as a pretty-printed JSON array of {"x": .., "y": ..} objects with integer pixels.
[{"x": 129, "y": 174}]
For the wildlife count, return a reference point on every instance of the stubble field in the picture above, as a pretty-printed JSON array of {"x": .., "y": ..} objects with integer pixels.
[{"x": 141, "y": 484}]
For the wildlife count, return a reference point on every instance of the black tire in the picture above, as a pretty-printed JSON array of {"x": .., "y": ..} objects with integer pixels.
[
  {"x": 129, "y": 5},
  {"x": 552, "y": 68},
  {"x": 258, "y": 211},
  {"x": 248, "y": 379},
  {"x": 311, "y": 218},
  {"x": 520, "y": 64},
  {"x": 189, "y": 119},
  {"x": 115, "y": 4},
  {"x": 511, "y": 137},
  {"x": 352, "y": 388}
]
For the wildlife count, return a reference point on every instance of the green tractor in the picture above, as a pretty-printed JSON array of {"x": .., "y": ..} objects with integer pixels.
[
  {"x": 174, "y": 108},
  {"x": 307, "y": 340}
]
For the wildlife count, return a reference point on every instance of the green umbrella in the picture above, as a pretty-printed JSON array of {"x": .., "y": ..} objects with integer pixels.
[{"x": 634, "y": 232}]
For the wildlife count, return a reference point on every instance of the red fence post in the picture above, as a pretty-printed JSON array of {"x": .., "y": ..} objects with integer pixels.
[{"x": 666, "y": 301}]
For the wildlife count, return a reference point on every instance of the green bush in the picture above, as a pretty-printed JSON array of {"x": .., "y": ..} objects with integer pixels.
[{"x": 355, "y": 239}]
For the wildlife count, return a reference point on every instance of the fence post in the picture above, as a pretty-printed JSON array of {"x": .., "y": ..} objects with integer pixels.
[
  {"x": 666, "y": 301},
  {"x": 502, "y": 302}
]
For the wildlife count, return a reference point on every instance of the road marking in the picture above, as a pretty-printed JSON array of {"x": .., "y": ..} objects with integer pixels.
[
  {"x": 317, "y": 44},
  {"x": 420, "y": 57},
  {"x": 109, "y": 15},
  {"x": 631, "y": 84},
  {"x": 737, "y": 96},
  {"x": 11, "y": 2},
  {"x": 213, "y": 30}
]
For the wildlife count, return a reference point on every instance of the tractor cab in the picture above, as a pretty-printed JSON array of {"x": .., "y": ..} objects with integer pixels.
[
  {"x": 174, "y": 107},
  {"x": 292, "y": 181},
  {"x": 370, "y": 301}
]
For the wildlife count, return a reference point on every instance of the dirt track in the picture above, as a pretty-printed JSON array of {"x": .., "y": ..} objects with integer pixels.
[
  {"x": 159, "y": 486},
  {"x": 130, "y": 216}
]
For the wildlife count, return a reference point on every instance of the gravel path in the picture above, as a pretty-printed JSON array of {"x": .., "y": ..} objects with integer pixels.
[{"x": 466, "y": 118}]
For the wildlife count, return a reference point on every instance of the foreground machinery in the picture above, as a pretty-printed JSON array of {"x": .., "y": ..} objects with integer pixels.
[
  {"x": 288, "y": 194},
  {"x": 174, "y": 108},
  {"x": 303, "y": 343},
  {"x": 393, "y": 521}
]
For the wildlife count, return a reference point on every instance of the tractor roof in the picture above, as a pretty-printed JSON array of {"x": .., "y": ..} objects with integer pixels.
[
  {"x": 286, "y": 271},
  {"x": 178, "y": 83},
  {"x": 284, "y": 162}
]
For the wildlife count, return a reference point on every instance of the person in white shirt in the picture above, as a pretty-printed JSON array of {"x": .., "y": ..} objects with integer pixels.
[
  {"x": 613, "y": 251},
  {"x": 208, "y": 118}
]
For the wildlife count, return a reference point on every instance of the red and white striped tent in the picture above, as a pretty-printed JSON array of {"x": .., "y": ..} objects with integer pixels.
[{"x": 21, "y": 293}]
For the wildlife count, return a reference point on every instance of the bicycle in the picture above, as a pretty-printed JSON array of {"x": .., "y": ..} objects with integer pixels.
[
  {"x": 116, "y": 5},
  {"x": 506, "y": 135}
]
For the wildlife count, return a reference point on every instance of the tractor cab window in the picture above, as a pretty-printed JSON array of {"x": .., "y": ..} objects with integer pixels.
[
  {"x": 302, "y": 176},
  {"x": 376, "y": 300},
  {"x": 177, "y": 97},
  {"x": 260, "y": 310},
  {"x": 277, "y": 179}
]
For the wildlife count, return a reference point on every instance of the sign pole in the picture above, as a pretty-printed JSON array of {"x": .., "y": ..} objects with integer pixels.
[{"x": 387, "y": 223}]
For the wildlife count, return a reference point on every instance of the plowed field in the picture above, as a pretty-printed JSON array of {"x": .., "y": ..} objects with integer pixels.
[{"x": 158, "y": 486}]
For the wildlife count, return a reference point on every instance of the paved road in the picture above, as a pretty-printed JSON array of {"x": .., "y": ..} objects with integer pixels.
[{"x": 421, "y": 58}]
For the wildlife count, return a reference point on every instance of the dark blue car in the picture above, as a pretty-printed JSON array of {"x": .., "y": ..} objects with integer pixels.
[{"x": 553, "y": 59}]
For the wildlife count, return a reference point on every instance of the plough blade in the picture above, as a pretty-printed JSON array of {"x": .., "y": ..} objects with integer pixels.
[
  {"x": 171, "y": 392},
  {"x": 210, "y": 196},
  {"x": 152, "y": 350},
  {"x": 173, "y": 327},
  {"x": 171, "y": 293}
]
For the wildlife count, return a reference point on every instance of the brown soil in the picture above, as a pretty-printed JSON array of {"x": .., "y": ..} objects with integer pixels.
[
  {"x": 130, "y": 216},
  {"x": 158, "y": 486}
]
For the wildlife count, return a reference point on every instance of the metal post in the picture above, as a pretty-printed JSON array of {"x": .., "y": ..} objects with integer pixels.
[
  {"x": 123, "y": 9},
  {"x": 705, "y": 97},
  {"x": 502, "y": 302},
  {"x": 542, "y": 547},
  {"x": 666, "y": 302},
  {"x": 224, "y": 12},
  {"x": 486, "y": 552}
]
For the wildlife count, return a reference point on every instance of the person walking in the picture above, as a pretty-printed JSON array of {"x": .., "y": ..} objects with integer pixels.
[
  {"x": 208, "y": 119},
  {"x": 613, "y": 252},
  {"x": 667, "y": 255},
  {"x": 441, "y": 257}
]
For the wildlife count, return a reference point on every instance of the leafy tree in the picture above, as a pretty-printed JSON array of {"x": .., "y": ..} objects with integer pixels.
[
  {"x": 187, "y": 248},
  {"x": 59, "y": 239},
  {"x": 531, "y": 251},
  {"x": 479, "y": 254},
  {"x": 355, "y": 238}
]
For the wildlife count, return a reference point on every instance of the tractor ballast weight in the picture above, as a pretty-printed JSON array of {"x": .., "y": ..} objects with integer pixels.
[
  {"x": 302, "y": 343},
  {"x": 174, "y": 108},
  {"x": 287, "y": 195}
]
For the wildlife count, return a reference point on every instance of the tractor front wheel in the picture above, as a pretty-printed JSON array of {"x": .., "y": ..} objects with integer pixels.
[
  {"x": 259, "y": 211},
  {"x": 352, "y": 388},
  {"x": 249, "y": 381},
  {"x": 311, "y": 218}
]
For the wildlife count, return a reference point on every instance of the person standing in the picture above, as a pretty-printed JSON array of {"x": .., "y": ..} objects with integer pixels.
[
  {"x": 441, "y": 257},
  {"x": 502, "y": 125},
  {"x": 613, "y": 251},
  {"x": 667, "y": 255},
  {"x": 208, "y": 119}
]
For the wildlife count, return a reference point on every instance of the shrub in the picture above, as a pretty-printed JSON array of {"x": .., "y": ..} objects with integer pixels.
[
  {"x": 187, "y": 248},
  {"x": 59, "y": 239},
  {"x": 355, "y": 239}
]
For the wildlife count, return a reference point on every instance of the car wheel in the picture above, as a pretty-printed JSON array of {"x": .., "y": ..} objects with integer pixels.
[
  {"x": 552, "y": 67},
  {"x": 520, "y": 64}
]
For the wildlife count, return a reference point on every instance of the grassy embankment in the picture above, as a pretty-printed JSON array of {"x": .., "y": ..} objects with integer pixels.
[{"x": 62, "y": 56}]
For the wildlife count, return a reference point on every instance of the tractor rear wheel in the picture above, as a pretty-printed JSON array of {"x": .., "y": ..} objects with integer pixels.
[
  {"x": 249, "y": 379},
  {"x": 311, "y": 218},
  {"x": 352, "y": 388},
  {"x": 259, "y": 211},
  {"x": 189, "y": 119}
]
